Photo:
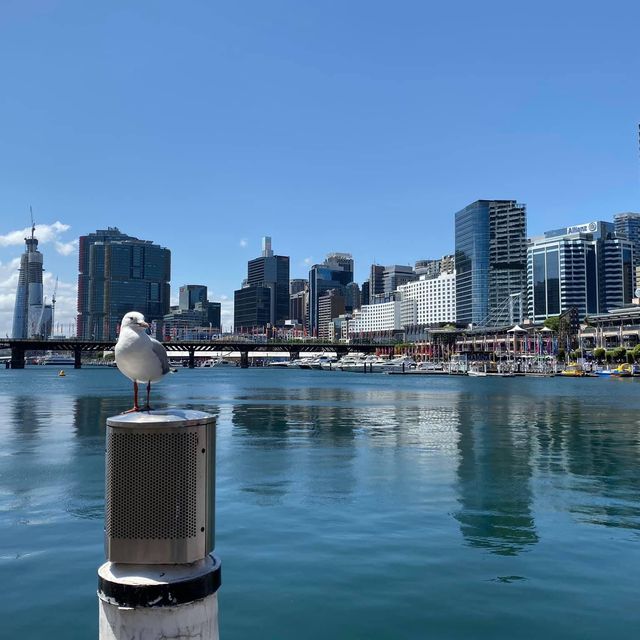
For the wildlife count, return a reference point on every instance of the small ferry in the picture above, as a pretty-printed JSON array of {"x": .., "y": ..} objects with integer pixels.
[{"x": 57, "y": 360}]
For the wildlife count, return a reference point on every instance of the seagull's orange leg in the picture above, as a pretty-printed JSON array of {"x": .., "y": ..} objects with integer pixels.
[{"x": 135, "y": 399}]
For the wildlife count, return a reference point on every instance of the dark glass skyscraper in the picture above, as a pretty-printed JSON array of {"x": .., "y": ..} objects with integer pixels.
[
  {"x": 265, "y": 298},
  {"x": 490, "y": 259},
  {"x": 118, "y": 274},
  {"x": 336, "y": 272}
]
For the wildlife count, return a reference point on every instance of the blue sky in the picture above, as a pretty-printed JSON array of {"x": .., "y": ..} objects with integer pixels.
[{"x": 355, "y": 126}]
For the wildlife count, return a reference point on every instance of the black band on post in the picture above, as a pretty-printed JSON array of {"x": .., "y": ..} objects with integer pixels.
[{"x": 169, "y": 594}]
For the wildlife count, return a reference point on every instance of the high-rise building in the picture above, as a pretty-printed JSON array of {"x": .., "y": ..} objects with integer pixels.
[
  {"x": 490, "y": 261},
  {"x": 336, "y": 272},
  {"x": 190, "y": 294},
  {"x": 433, "y": 268},
  {"x": 352, "y": 297},
  {"x": 628, "y": 226},
  {"x": 117, "y": 274},
  {"x": 376, "y": 281},
  {"x": 28, "y": 309},
  {"x": 298, "y": 284},
  {"x": 252, "y": 306},
  {"x": 194, "y": 317},
  {"x": 364, "y": 293},
  {"x": 586, "y": 267}
]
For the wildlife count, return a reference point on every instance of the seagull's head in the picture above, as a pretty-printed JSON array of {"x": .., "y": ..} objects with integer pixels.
[{"x": 134, "y": 320}]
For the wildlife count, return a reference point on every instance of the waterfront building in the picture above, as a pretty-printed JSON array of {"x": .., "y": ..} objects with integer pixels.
[
  {"x": 331, "y": 304},
  {"x": 253, "y": 307},
  {"x": 490, "y": 261},
  {"x": 118, "y": 273},
  {"x": 383, "y": 281},
  {"x": 28, "y": 307},
  {"x": 336, "y": 272},
  {"x": 586, "y": 266},
  {"x": 384, "y": 317},
  {"x": 429, "y": 301},
  {"x": 628, "y": 226}
]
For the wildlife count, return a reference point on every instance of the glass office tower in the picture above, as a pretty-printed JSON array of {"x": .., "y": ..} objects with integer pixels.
[
  {"x": 490, "y": 261},
  {"x": 586, "y": 267},
  {"x": 118, "y": 274},
  {"x": 336, "y": 272}
]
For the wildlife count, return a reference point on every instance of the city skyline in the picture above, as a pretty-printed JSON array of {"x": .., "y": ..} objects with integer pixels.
[{"x": 356, "y": 128}]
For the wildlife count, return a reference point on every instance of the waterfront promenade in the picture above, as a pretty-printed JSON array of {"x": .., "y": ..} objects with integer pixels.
[{"x": 349, "y": 505}]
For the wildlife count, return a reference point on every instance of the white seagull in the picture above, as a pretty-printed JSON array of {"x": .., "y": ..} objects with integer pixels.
[{"x": 140, "y": 357}]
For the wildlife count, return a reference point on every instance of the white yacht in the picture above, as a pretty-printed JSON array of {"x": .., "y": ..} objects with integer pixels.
[
  {"x": 401, "y": 363},
  {"x": 57, "y": 359}
]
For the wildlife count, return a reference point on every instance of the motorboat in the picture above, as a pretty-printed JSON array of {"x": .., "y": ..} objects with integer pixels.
[
  {"x": 476, "y": 373},
  {"x": 401, "y": 363}
]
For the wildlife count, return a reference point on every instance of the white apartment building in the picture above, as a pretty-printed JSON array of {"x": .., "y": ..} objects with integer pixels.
[
  {"x": 373, "y": 318},
  {"x": 429, "y": 300}
]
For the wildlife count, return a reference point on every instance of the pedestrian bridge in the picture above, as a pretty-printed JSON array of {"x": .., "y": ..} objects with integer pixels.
[{"x": 20, "y": 348}]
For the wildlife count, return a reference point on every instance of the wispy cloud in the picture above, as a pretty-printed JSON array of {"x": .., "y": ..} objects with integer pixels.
[
  {"x": 308, "y": 261},
  {"x": 66, "y": 248},
  {"x": 44, "y": 232},
  {"x": 243, "y": 242}
]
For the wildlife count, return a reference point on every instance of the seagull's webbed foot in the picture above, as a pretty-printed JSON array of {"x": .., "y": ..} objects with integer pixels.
[
  {"x": 146, "y": 408},
  {"x": 133, "y": 410}
]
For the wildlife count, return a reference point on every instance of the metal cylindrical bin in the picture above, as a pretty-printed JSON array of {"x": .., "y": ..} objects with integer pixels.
[{"x": 160, "y": 487}]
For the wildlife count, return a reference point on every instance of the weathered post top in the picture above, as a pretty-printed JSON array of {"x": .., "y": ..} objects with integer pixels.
[{"x": 160, "y": 487}]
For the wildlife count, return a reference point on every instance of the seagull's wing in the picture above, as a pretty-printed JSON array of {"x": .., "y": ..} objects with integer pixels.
[{"x": 161, "y": 352}]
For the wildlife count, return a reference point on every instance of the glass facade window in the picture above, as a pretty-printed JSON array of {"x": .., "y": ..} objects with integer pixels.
[{"x": 553, "y": 282}]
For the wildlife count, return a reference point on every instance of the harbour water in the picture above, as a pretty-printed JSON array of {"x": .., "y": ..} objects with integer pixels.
[{"x": 348, "y": 505}]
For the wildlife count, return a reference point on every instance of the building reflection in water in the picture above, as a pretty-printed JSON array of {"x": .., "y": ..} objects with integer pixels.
[
  {"x": 292, "y": 429},
  {"x": 591, "y": 449},
  {"x": 494, "y": 474}
]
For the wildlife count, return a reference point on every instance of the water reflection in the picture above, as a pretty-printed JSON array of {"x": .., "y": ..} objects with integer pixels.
[
  {"x": 592, "y": 451},
  {"x": 494, "y": 475}
]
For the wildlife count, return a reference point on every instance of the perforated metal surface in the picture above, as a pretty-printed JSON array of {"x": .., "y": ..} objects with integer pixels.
[{"x": 151, "y": 490}]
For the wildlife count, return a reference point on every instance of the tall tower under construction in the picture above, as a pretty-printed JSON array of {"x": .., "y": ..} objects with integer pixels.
[{"x": 28, "y": 309}]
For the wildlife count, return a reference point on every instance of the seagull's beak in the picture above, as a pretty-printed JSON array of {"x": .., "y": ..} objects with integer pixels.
[{"x": 143, "y": 324}]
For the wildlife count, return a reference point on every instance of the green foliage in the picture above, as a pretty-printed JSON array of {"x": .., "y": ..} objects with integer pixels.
[
  {"x": 609, "y": 355},
  {"x": 620, "y": 354},
  {"x": 574, "y": 355},
  {"x": 599, "y": 354},
  {"x": 561, "y": 355},
  {"x": 636, "y": 352},
  {"x": 552, "y": 322}
]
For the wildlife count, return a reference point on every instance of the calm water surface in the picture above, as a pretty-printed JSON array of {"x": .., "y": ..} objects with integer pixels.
[{"x": 348, "y": 505}]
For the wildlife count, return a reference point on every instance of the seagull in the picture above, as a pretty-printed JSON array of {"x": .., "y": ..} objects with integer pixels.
[{"x": 139, "y": 356}]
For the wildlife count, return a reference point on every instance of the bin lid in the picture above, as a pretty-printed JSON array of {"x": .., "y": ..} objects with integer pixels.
[{"x": 169, "y": 417}]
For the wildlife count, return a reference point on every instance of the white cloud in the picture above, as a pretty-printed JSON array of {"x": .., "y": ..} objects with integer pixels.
[
  {"x": 308, "y": 261},
  {"x": 66, "y": 248},
  {"x": 243, "y": 242},
  {"x": 44, "y": 233}
]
